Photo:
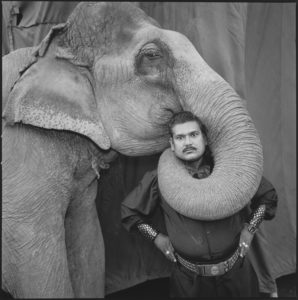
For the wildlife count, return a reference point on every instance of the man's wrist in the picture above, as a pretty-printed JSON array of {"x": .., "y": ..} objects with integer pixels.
[{"x": 251, "y": 228}]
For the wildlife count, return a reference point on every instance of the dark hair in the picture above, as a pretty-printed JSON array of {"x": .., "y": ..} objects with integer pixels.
[
  {"x": 187, "y": 116},
  {"x": 183, "y": 117}
]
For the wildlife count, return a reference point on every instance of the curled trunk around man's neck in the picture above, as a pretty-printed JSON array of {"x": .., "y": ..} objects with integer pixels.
[{"x": 236, "y": 148}]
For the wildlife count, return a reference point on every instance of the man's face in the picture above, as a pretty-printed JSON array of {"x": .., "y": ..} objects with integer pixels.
[{"x": 188, "y": 141}]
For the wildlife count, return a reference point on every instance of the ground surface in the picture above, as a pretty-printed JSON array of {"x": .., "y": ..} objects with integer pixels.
[
  {"x": 158, "y": 289},
  {"x": 287, "y": 286}
]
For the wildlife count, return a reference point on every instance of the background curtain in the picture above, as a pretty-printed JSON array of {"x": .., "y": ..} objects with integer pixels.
[{"x": 253, "y": 47}]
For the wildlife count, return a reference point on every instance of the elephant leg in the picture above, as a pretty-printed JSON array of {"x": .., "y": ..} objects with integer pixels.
[
  {"x": 35, "y": 199},
  {"x": 34, "y": 260},
  {"x": 85, "y": 245}
]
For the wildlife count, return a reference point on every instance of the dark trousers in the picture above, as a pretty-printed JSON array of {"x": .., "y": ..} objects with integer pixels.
[{"x": 240, "y": 281}]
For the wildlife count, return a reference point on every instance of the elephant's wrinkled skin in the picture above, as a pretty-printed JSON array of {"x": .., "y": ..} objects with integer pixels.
[{"x": 107, "y": 80}]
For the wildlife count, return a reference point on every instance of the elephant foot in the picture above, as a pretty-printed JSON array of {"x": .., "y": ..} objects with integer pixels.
[{"x": 34, "y": 262}]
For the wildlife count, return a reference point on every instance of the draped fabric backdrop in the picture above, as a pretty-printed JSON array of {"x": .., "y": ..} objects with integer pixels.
[{"x": 252, "y": 46}]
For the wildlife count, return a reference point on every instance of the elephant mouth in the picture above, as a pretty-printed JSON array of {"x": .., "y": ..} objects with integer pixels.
[{"x": 162, "y": 114}]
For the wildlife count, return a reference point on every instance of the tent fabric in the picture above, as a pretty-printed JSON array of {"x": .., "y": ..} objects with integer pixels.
[
  {"x": 25, "y": 23},
  {"x": 271, "y": 99},
  {"x": 252, "y": 46}
]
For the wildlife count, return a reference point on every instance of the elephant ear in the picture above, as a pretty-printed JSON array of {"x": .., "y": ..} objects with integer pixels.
[{"x": 56, "y": 94}]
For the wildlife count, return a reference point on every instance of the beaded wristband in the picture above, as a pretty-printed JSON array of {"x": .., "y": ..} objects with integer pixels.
[
  {"x": 147, "y": 231},
  {"x": 256, "y": 219}
]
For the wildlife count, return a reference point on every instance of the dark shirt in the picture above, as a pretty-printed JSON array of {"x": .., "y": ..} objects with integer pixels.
[{"x": 194, "y": 239}]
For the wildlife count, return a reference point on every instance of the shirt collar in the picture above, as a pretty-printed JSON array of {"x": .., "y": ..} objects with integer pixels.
[{"x": 203, "y": 171}]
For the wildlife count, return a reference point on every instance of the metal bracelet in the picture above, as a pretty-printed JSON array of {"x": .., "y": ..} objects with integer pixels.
[
  {"x": 147, "y": 231},
  {"x": 256, "y": 219}
]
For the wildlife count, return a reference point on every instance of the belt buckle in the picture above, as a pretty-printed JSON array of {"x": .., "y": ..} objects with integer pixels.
[{"x": 214, "y": 270}]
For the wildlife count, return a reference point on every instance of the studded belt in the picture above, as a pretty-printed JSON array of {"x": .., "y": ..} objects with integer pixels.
[{"x": 210, "y": 269}]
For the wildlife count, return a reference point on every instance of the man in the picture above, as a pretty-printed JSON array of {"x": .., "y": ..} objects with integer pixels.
[{"x": 209, "y": 256}]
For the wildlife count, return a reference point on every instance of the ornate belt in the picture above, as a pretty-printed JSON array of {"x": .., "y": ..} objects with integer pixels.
[{"x": 210, "y": 269}]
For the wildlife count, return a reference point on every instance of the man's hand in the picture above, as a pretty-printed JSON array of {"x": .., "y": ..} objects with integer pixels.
[
  {"x": 163, "y": 243},
  {"x": 245, "y": 241}
]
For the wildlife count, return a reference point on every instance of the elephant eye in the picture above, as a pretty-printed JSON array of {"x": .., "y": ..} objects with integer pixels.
[
  {"x": 153, "y": 61},
  {"x": 149, "y": 55},
  {"x": 149, "y": 60},
  {"x": 152, "y": 54}
]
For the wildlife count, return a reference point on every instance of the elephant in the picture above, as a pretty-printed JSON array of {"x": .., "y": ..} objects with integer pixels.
[{"x": 107, "y": 81}]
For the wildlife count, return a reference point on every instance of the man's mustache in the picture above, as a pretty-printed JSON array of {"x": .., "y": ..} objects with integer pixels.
[{"x": 189, "y": 148}]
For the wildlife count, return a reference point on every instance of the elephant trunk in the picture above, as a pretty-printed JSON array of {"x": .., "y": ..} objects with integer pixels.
[{"x": 235, "y": 145}]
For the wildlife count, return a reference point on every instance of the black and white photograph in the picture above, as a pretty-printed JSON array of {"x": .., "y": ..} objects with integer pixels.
[{"x": 148, "y": 150}]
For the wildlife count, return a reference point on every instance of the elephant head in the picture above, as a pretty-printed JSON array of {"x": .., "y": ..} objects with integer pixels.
[{"x": 111, "y": 74}]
